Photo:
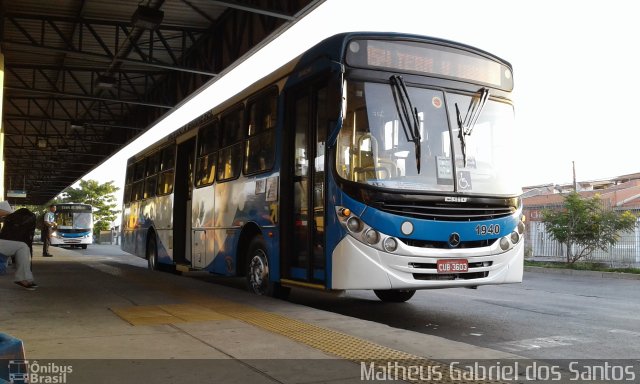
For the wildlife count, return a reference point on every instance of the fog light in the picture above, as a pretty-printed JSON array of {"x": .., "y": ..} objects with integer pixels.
[
  {"x": 520, "y": 227},
  {"x": 371, "y": 236},
  {"x": 504, "y": 243},
  {"x": 390, "y": 244},
  {"x": 515, "y": 237},
  {"x": 354, "y": 224}
]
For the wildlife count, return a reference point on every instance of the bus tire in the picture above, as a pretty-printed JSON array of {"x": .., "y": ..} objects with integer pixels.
[
  {"x": 152, "y": 253},
  {"x": 84, "y": 246},
  {"x": 258, "y": 268},
  {"x": 394, "y": 295}
]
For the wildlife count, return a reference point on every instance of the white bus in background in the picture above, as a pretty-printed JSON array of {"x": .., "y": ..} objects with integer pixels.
[{"x": 74, "y": 225}]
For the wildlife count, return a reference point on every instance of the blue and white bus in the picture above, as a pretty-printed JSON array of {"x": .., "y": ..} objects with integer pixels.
[
  {"x": 74, "y": 225},
  {"x": 373, "y": 161}
]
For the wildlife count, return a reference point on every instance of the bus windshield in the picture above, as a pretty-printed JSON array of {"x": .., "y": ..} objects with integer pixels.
[
  {"x": 375, "y": 147},
  {"x": 74, "y": 220}
]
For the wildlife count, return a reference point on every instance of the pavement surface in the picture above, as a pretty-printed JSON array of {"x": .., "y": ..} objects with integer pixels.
[{"x": 99, "y": 316}]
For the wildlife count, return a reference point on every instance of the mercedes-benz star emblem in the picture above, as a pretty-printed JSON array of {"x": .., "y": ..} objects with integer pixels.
[{"x": 454, "y": 240}]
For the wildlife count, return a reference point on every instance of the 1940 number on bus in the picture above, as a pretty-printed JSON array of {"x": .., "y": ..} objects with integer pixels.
[{"x": 484, "y": 230}]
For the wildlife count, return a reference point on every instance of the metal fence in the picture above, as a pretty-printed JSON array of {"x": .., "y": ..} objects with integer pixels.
[{"x": 625, "y": 253}]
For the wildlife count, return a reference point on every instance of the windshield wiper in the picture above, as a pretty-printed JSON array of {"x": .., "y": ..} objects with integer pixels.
[
  {"x": 465, "y": 128},
  {"x": 408, "y": 115}
]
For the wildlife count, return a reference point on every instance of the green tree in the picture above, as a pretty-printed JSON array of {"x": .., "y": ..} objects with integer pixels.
[
  {"x": 583, "y": 225},
  {"x": 100, "y": 196}
]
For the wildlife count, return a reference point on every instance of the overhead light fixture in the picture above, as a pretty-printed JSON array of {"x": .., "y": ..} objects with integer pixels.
[
  {"x": 104, "y": 81},
  {"x": 146, "y": 17},
  {"x": 76, "y": 125},
  {"x": 41, "y": 142}
]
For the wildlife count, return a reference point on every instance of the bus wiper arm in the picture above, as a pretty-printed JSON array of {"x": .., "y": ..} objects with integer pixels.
[
  {"x": 465, "y": 128},
  {"x": 408, "y": 115}
]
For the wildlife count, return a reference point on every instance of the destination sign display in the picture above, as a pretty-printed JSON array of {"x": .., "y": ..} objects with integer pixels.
[
  {"x": 431, "y": 59},
  {"x": 73, "y": 208}
]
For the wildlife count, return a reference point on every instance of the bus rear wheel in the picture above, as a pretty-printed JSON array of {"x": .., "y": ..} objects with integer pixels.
[
  {"x": 394, "y": 295},
  {"x": 152, "y": 254}
]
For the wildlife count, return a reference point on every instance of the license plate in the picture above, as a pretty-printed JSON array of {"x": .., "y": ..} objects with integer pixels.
[{"x": 453, "y": 266}]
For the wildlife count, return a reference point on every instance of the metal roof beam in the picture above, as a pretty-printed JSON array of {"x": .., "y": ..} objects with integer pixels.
[
  {"x": 86, "y": 97},
  {"x": 251, "y": 9}
]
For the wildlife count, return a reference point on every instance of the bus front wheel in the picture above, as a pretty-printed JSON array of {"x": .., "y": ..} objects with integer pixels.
[
  {"x": 394, "y": 295},
  {"x": 258, "y": 268},
  {"x": 258, "y": 272}
]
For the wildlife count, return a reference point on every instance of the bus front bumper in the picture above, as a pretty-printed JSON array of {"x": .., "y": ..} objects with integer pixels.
[{"x": 358, "y": 266}]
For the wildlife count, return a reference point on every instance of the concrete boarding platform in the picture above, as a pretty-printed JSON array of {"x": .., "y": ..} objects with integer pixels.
[{"x": 100, "y": 316}]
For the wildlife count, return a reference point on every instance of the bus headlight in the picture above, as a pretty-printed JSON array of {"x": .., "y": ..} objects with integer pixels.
[
  {"x": 515, "y": 237},
  {"x": 520, "y": 227},
  {"x": 390, "y": 244},
  {"x": 372, "y": 236},
  {"x": 364, "y": 233},
  {"x": 504, "y": 243},
  {"x": 354, "y": 224}
]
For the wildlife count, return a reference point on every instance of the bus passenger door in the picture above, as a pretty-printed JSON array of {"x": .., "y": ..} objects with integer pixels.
[
  {"x": 182, "y": 201},
  {"x": 304, "y": 253}
]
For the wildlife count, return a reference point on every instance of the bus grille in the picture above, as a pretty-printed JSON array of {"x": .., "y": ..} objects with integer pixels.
[
  {"x": 433, "y": 266},
  {"x": 445, "y": 245},
  {"x": 450, "y": 276},
  {"x": 445, "y": 211}
]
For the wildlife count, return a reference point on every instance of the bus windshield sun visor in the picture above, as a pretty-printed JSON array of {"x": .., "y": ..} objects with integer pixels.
[
  {"x": 465, "y": 128},
  {"x": 407, "y": 114}
]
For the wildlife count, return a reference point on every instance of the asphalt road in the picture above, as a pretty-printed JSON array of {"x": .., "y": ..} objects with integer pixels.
[{"x": 548, "y": 316}]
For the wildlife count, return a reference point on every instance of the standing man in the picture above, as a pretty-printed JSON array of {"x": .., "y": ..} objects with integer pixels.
[{"x": 49, "y": 224}]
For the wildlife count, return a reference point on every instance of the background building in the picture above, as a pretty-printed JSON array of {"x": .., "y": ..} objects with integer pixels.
[{"x": 621, "y": 193}]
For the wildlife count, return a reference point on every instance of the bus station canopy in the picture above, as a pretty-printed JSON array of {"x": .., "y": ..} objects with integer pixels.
[{"x": 83, "y": 78}]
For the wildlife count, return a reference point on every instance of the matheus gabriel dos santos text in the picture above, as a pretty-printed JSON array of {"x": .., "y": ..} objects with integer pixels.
[{"x": 578, "y": 371}]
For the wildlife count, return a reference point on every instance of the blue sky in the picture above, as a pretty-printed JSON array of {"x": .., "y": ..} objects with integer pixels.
[{"x": 575, "y": 70}]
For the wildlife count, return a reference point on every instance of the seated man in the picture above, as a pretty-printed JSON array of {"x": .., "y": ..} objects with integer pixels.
[
  {"x": 4, "y": 261},
  {"x": 20, "y": 251}
]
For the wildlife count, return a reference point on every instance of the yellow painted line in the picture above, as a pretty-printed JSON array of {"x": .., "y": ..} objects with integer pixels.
[{"x": 287, "y": 282}]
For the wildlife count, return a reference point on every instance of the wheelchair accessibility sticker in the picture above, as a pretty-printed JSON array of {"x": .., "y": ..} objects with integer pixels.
[{"x": 464, "y": 181}]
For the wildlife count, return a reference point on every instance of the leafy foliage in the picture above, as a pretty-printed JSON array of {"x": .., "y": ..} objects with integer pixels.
[
  {"x": 100, "y": 196},
  {"x": 584, "y": 225}
]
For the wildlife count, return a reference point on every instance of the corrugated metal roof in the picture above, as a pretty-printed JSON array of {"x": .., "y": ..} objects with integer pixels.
[{"x": 81, "y": 80}]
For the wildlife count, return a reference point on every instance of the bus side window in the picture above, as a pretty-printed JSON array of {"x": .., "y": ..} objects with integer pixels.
[
  {"x": 208, "y": 144},
  {"x": 165, "y": 183},
  {"x": 206, "y": 170},
  {"x": 150, "y": 185},
  {"x": 230, "y": 157},
  {"x": 137, "y": 190},
  {"x": 229, "y": 162},
  {"x": 126, "y": 198},
  {"x": 260, "y": 150}
]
